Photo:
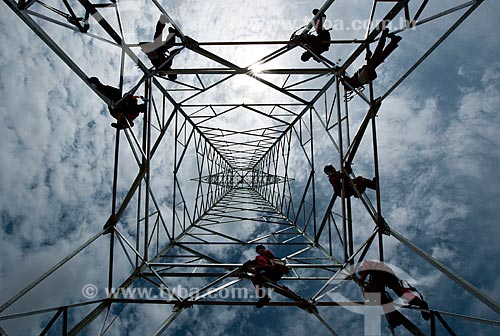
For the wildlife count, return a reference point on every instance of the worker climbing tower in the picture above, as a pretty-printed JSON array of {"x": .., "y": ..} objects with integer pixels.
[{"x": 229, "y": 155}]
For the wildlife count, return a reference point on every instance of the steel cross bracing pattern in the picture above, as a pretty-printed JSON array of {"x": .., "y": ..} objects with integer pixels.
[{"x": 232, "y": 184}]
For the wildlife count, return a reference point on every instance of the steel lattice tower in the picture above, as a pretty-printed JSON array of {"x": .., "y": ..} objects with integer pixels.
[{"x": 230, "y": 186}]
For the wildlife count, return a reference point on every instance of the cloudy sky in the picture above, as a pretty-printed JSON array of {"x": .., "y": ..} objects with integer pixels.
[{"x": 438, "y": 148}]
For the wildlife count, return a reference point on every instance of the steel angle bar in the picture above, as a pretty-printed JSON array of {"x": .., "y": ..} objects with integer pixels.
[
  {"x": 239, "y": 219},
  {"x": 388, "y": 18},
  {"x": 114, "y": 218},
  {"x": 325, "y": 218},
  {"x": 434, "y": 46},
  {"x": 171, "y": 318},
  {"x": 469, "y": 318},
  {"x": 307, "y": 237},
  {"x": 258, "y": 144},
  {"x": 258, "y": 137},
  {"x": 445, "y": 325},
  {"x": 304, "y": 110},
  {"x": 193, "y": 46},
  {"x": 365, "y": 246},
  {"x": 25, "y": 4},
  {"x": 203, "y": 106},
  {"x": 220, "y": 221},
  {"x": 54, "y": 268},
  {"x": 316, "y": 296},
  {"x": 168, "y": 274},
  {"x": 129, "y": 133},
  {"x": 227, "y": 265},
  {"x": 89, "y": 318},
  {"x": 220, "y": 234},
  {"x": 296, "y": 253},
  {"x": 181, "y": 86},
  {"x": 332, "y": 67},
  {"x": 104, "y": 320},
  {"x": 169, "y": 19},
  {"x": 307, "y": 260},
  {"x": 98, "y": 310},
  {"x": 370, "y": 20},
  {"x": 265, "y": 114},
  {"x": 114, "y": 319},
  {"x": 277, "y": 129},
  {"x": 145, "y": 264},
  {"x": 343, "y": 281},
  {"x": 184, "y": 304},
  {"x": 239, "y": 244},
  {"x": 197, "y": 296},
  {"x": 51, "y": 322},
  {"x": 181, "y": 111},
  {"x": 69, "y": 26},
  {"x": 49, "y": 310},
  {"x": 358, "y": 137},
  {"x": 288, "y": 87},
  {"x": 448, "y": 272},
  {"x": 59, "y": 12},
  {"x": 304, "y": 194},
  {"x": 323, "y": 321},
  {"x": 52, "y": 45},
  {"x": 297, "y": 133},
  {"x": 198, "y": 253},
  {"x": 275, "y": 54},
  {"x": 132, "y": 264},
  {"x": 274, "y": 42},
  {"x": 201, "y": 91},
  {"x": 91, "y": 9},
  {"x": 186, "y": 146},
  {"x": 260, "y": 238},
  {"x": 420, "y": 10},
  {"x": 442, "y": 14}
]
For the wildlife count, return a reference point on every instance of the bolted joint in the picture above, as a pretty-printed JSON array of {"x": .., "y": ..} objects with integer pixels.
[
  {"x": 111, "y": 222},
  {"x": 190, "y": 43}
]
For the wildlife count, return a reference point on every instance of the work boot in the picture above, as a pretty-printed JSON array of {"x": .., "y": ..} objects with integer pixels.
[
  {"x": 94, "y": 80},
  {"x": 119, "y": 126},
  {"x": 425, "y": 314},
  {"x": 393, "y": 319},
  {"x": 174, "y": 31},
  {"x": 141, "y": 108}
]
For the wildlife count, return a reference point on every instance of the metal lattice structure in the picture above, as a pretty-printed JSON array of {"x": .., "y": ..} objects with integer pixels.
[{"x": 231, "y": 184}]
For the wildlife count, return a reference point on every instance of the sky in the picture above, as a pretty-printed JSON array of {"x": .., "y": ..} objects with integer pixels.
[{"x": 437, "y": 138}]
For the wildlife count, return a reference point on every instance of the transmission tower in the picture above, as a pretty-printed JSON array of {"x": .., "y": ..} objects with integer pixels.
[{"x": 208, "y": 187}]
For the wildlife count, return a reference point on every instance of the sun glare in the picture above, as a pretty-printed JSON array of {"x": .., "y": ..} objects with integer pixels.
[{"x": 259, "y": 68}]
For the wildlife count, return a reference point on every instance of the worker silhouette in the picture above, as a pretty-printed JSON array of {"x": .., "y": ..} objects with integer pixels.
[
  {"x": 318, "y": 43},
  {"x": 123, "y": 110},
  {"x": 375, "y": 277},
  {"x": 367, "y": 73},
  {"x": 156, "y": 50},
  {"x": 263, "y": 268},
  {"x": 336, "y": 177}
]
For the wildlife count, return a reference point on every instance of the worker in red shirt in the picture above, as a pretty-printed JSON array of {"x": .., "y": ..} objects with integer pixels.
[
  {"x": 125, "y": 110},
  {"x": 262, "y": 268},
  {"x": 375, "y": 276},
  {"x": 335, "y": 177}
]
